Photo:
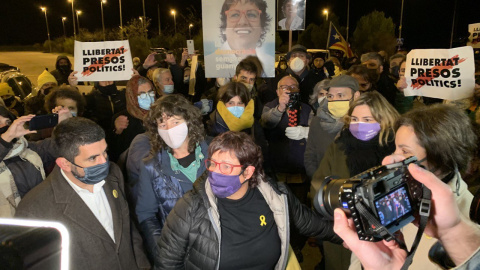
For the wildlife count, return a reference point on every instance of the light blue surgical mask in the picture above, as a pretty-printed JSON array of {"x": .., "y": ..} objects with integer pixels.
[
  {"x": 145, "y": 102},
  {"x": 168, "y": 89},
  {"x": 74, "y": 114},
  {"x": 237, "y": 111}
]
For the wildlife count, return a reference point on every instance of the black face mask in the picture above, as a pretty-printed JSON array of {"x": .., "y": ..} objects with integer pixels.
[
  {"x": 395, "y": 71},
  {"x": 9, "y": 101},
  {"x": 374, "y": 76},
  {"x": 108, "y": 90},
  {"x": 64, "y": 68},
  {"x": 4, "y": 129}
]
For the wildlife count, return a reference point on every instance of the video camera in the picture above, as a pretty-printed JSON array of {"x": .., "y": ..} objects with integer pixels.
[
  {"x": 378, "y": 198},
  {"x": 161, "y": 53}
]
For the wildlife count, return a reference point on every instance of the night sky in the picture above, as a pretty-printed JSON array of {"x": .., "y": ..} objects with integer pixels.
[{"x": 426, "y": 23}]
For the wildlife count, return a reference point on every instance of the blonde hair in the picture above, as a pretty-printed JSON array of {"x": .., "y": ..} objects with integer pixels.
[{"x": 384, "y": 113}]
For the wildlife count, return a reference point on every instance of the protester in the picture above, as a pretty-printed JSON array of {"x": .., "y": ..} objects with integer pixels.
[
  {"x": 443, "y": 138},
  {"x": 34, "y": 104},
  {"x": 85, "y": 193},
  {"x": 395, "y": 61},
  {"x": 22, "y": 162},
  {"x": 65, "y": 97},
  {"x": 361, "y": 74},
  {"x": 163, "y": 81},
  {"x": 317, "y": 65},
  {"x": 139, "y": 95},
  {"x": 403, "y": 103},
  {"x": 235, "y": 217},
  {"x": 63, "y": 69},
  {"x": 319, "y": 94},
  {"x": 45, "y": 82},
  {"x": 383, "y": 83},
  {"x": 234, "y": 110},
  {"x": 325, "y": 126},
  {"x": 178, "y": 151},
  {"x": 459, "y": 236},
  {"x": 13, "y": 104}
]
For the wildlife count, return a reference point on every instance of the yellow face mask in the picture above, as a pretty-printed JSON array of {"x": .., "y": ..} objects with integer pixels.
[{"x": 338, "y": 108}]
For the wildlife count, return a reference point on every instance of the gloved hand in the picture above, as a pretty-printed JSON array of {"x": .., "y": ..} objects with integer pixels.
[
  {"x": 206, "y": 106},
  {"x": 297, "y": 133}
]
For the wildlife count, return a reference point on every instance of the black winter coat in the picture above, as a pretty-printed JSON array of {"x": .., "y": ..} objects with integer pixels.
[{"x": 191, "y": 235}]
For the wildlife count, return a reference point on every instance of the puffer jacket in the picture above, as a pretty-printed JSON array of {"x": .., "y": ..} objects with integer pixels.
[
  {"x": 191, "y": 237},
  {"x": 158, "y": 190}
]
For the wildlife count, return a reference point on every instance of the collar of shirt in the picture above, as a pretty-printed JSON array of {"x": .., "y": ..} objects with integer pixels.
[{"x": 96, "y": 188}]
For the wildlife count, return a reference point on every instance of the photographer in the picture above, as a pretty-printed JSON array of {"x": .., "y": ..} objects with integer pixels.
[
  {"x": 459, "y": 236},
  {"x": 442, "y": 136}
]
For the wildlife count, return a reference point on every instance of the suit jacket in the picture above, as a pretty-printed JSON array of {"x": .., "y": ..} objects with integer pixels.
[{"x": 91, "y": 247}]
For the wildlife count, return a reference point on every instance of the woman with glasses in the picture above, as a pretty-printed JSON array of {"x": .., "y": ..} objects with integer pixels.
[
  {"x": 127, "y": 124},
  {"x": 177, "y": 158},
  {"x": 236, "y": 218}
]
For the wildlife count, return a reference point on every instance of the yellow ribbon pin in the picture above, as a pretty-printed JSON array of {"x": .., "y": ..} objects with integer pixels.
[
  {"x": 115, "y": 193},
  {"x": 262, "y": 219}
]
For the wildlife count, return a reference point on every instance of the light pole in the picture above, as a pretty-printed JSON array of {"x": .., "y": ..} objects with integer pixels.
[
  {"x": 103, "y": 22},
  {"x": 174, "y": 19},
  {"x": 63, "y": 22},
  {"x": 453, "y": 23},
  {"x": 79, "y": 12},
  {"x": 159, "y": 29},
  {"x": 190, "y": 30},
  {"x": 348, "y": 17},
  {"x": 144, "y": 21},
  {"x": 44, "y": 9},
  {"x": 325, "y": 11},
  {"x": 121, "y": 22},
  {"x": 401, "y": 23},
  {"x": 73, "y": 19}
]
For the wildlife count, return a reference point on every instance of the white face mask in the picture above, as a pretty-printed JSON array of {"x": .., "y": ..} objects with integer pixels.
[
  {"x": 249, "y": 86},
  {"x": 297, "y": 64},
  {"x": 320, "y": 99},
  {"x": 175, "y": 136}
]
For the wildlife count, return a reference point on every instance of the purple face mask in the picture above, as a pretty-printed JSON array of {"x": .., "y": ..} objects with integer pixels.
[
  {"x": 364, "y": 131},
  {"x": 224, "y": 185}
]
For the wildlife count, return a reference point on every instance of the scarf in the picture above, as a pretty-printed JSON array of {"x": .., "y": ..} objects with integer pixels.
[
  {"x": 9, "y": 196},
  {"x": 237, "y": 124},
  {"x": 131, "y": 95},
  {"x": 327, "y": 122},
  {"x": 363, "y": 155}
]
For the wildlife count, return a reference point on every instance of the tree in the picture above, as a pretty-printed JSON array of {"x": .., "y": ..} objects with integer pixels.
[
  {"x": 373, "y": 33},
  {"x": 315, "y": 36}
]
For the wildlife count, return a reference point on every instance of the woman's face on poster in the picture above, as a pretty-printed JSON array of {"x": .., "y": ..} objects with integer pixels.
[
  {"x": 244, "y": 28},
  {"x": 290, "y": 9}
]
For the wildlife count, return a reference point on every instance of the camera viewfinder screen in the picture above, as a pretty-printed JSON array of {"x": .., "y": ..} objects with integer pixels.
[{"x": 393, "y": 206}]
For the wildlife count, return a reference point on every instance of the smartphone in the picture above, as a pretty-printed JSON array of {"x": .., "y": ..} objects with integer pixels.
[
  {"x": 43, "y": 121},
  {"x": 190, "y": 47}
]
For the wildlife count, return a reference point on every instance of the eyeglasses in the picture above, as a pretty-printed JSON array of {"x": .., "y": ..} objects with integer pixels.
[
  {"x": 234, "y": 15},
  {"x": 225, "y": 168},
  {"x": 144, "y": 95},
  {"x": 291, "y": 88}
]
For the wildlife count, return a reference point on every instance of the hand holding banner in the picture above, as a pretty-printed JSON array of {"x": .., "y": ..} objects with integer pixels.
[
  {"x": 440, "y": 73},
  {"x": 103, "y": 61}
]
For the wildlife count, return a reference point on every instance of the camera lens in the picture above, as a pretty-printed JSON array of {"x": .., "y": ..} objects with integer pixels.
[{"x": 329, "y": 196}]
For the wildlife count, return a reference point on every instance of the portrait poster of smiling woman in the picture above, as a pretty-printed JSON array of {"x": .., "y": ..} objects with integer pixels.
[
  {"x": 291, "y": 14},
  {"x": 235, "y": 29}
]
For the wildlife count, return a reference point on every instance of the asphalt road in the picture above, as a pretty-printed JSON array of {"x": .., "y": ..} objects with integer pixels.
[{"x": 31, "y": 64}]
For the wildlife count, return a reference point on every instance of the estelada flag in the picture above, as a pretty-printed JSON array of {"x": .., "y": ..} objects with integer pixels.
[{"x": 337, "y": 42}]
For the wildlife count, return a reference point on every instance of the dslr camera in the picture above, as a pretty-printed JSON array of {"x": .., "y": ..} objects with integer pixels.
[
  {"x": 383, "y": 197},
  {"x": 161, "y": 53}
]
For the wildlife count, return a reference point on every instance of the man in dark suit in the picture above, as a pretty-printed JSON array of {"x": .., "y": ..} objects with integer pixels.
[{"x": 85, "y": 192}]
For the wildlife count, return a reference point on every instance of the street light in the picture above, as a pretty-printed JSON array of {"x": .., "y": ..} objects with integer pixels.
[
  {"x": 63, "y": 22},
  {"x": 103, "y": 22},
  {"x": 79, "y": 12},
  {"x": 190, "y": 30},
  {"x": 44, "y": 9},
  {"x": 143, "y": 21},
  {"x": 325, "y": 11},
  {"x": 73, "y": 19},
  {"x": 174, "y": 19},
  {"x": 348, "y": 17},
  {"x": 121, "y": 22}
]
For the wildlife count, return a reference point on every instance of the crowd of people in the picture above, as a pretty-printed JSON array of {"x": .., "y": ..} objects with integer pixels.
[{"x": 155, "y": 175}]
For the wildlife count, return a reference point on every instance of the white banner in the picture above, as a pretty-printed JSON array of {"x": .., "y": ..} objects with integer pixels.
[
  {"x": 233, "y": 30},
  {"x": 103, "y": 61},
  {"x": 440, "y": 73},
  {"x": 474, "y": 38}
]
